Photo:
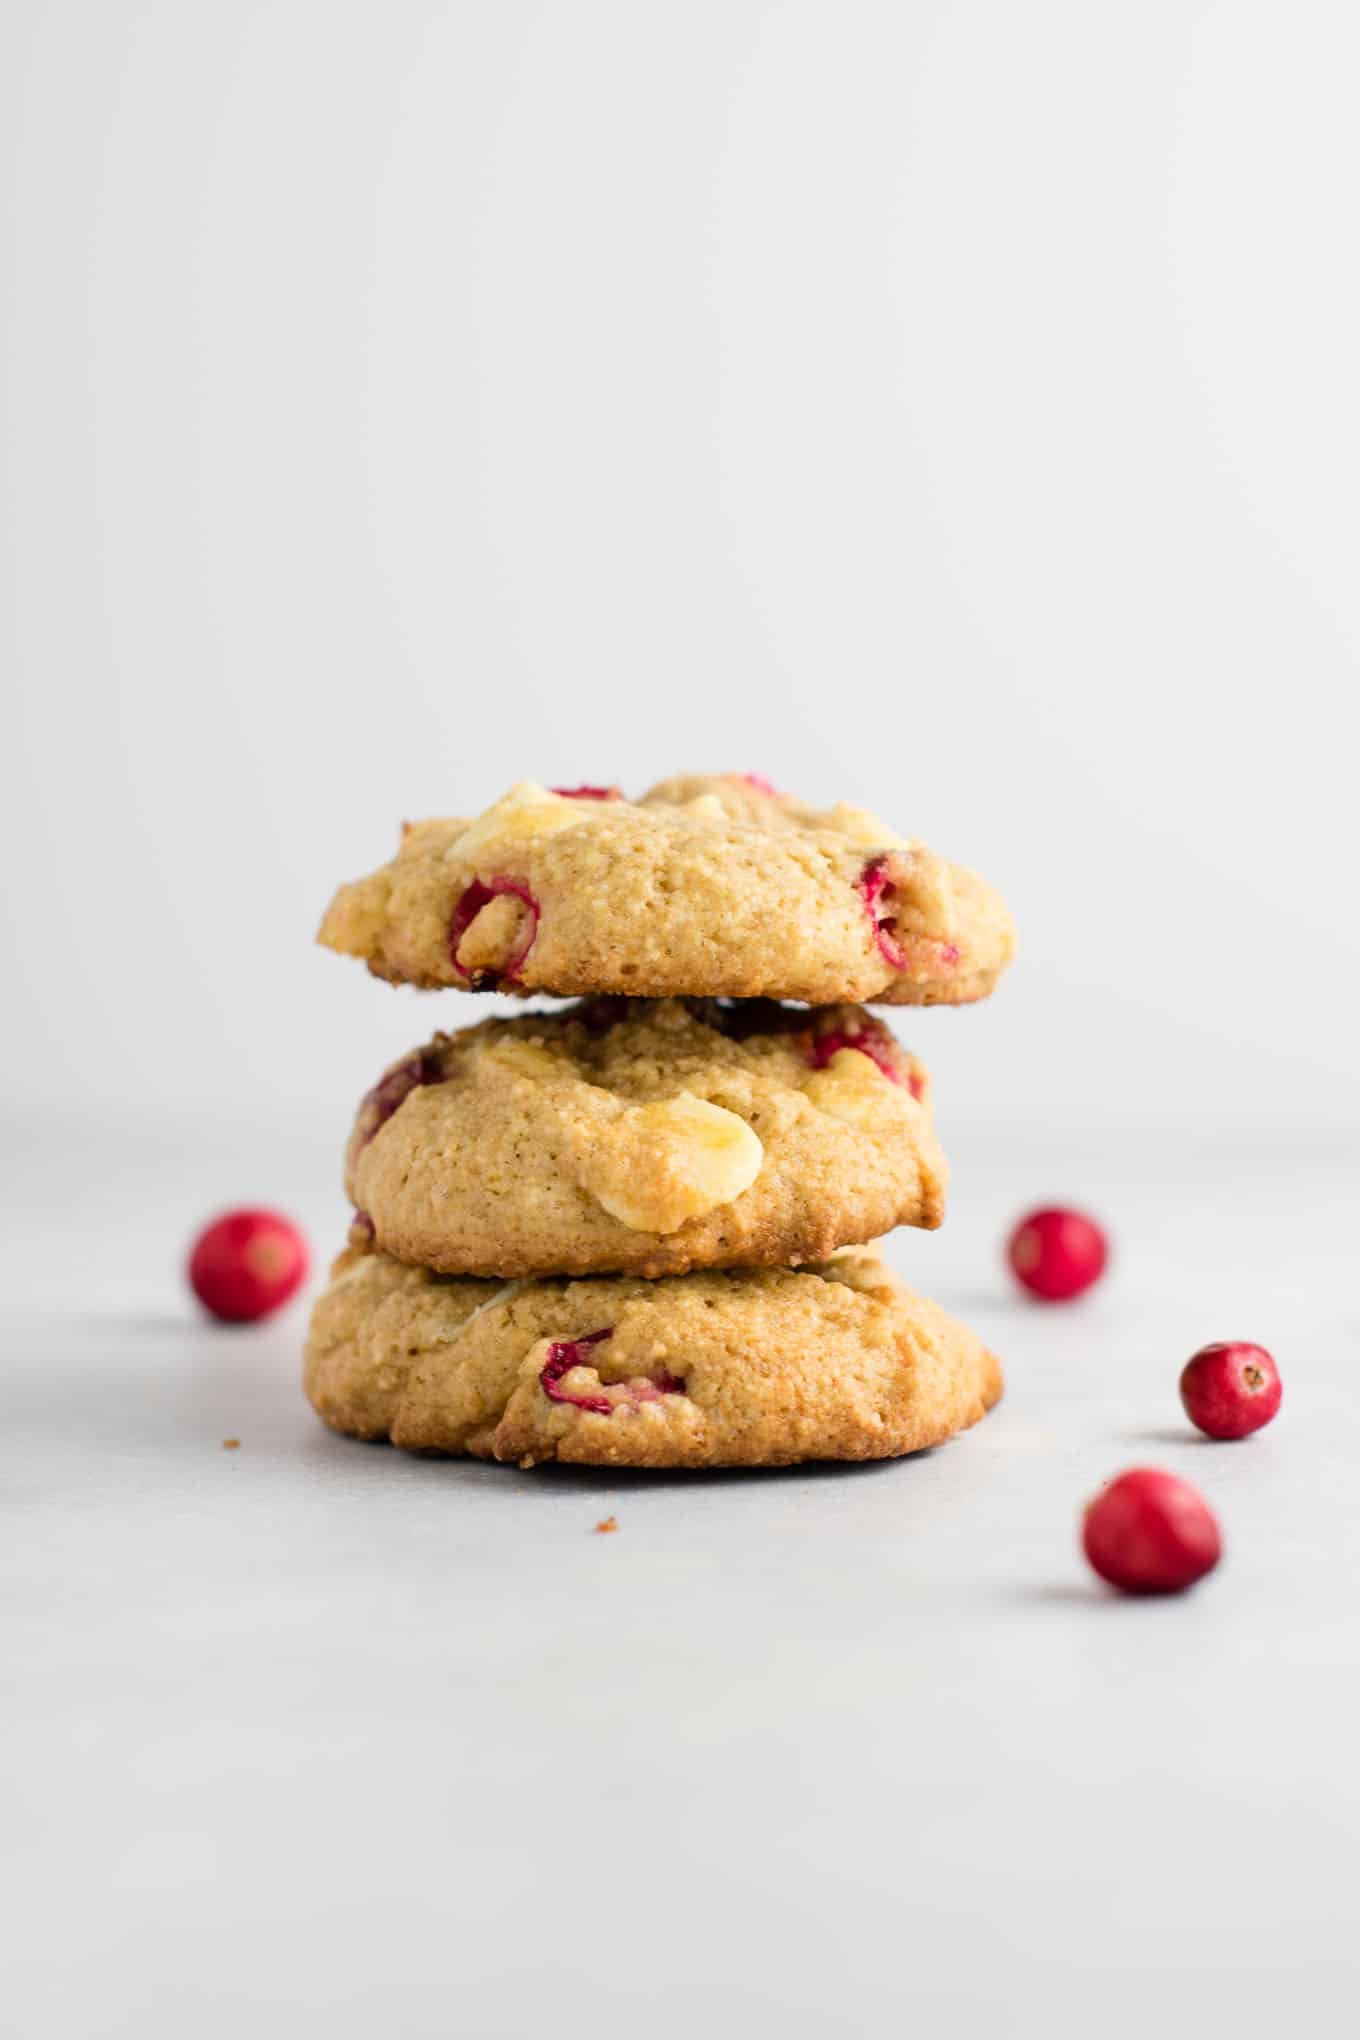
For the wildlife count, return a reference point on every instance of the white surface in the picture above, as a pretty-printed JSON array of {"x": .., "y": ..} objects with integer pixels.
[
  {"x": 313, "y": 1738},
  {"x": 949, "y": 406}
]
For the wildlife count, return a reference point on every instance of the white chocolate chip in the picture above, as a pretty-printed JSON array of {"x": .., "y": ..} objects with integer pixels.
[
  {"x": 658, "y": 1165},
  {"x": 528, "y": 811},
  {"x": 861, "y": 825},
  {"x": 523, "y": 1058},
  {"x": 504, "y": 1294},
  {"x": 852, "y": 1088},
  {"x": 366, "y": 1266},
  {"x": 928, "y": 892}
]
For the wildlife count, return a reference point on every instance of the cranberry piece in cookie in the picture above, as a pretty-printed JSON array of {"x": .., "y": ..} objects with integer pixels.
[
  {"x": 880, "y": 895},
  {"x": 868, "y": 1040},
  {"x": 564, "y": 1354},
  {"x": 392, "y": 1090},
  {"x": 477, "y": 896},
  {"x": 587, "y": 792},
  {"x": 651, "y": 1387}
]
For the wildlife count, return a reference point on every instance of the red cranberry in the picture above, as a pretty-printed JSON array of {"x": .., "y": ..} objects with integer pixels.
[
  {"x": 394, "y": 1088},
  {"x": 362, "y": 1231},
  {"x": 564, "y": 1354},
  {"x": 759, "y": 782},
  {"x": 1057, "y": 1253},
  {"x": 1150, "y": 1533},
  {"x": 1230, "y": 1389},
  {"x": 465, "y": 913},
  {"x": 587, "y": 792},
  {"x": 246, "y": 1264},
  {"x": 651, "y": 1388},
  {"x": 879, "y": 893},
  {"x": 870, "y": 1041}
]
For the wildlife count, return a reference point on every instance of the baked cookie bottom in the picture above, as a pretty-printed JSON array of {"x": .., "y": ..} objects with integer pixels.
[
  {"x": 766, "y": 1368},
  {"x": 627, "y": 1137}
]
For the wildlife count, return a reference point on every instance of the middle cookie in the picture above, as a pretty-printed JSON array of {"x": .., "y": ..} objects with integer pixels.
[{"x": 646, "y": 1137}]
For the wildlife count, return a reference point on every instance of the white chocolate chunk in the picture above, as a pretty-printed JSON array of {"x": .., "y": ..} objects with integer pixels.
[
  {"x": 505, "y": 1294},
  {"x": 861, "y": 825},
  {"x": 527, "y": 812},
  {"x": 361, "y": 1270},
  {"x": 929, "y": 893},
  {"x": 660, "y": 1164},
  {"x": 523, "y": 1058},
  {"x": 852, "y": 1087}
]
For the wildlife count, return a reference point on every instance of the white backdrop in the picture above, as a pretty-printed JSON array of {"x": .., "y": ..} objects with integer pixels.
[{"x": 950, "y": 407}]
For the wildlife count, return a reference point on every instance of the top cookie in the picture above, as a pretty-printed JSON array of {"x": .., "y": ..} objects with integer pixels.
[{"x": 708, "y": 887}]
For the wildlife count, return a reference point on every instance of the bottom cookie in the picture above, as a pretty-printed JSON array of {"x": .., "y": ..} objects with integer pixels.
[{"x": 836, "y": 1360}]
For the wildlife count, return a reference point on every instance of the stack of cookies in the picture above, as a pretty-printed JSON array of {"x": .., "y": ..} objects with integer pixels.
[{"x": 630, "y": 1231}]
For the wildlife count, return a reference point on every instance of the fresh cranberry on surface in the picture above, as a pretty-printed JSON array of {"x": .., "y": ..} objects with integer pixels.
[
  {"x": 1150, "y": 1533},
  {"x": 1057, "y": 1253},
  {"x": 1230, "y": 1389},
  {"x": 246, "y": 1264}
]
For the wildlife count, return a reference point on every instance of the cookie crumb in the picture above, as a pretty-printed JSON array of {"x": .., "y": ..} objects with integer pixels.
[
  {"x": 230, "y": 1444},
  {"x": 609, "y": 1523}
]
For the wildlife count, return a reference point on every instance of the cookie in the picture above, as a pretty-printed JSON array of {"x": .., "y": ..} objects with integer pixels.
[
  {"x": 765, "y": 1368},
  {"x": 625, "y": 1136},
  {"x": 716, "y": 887}
]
